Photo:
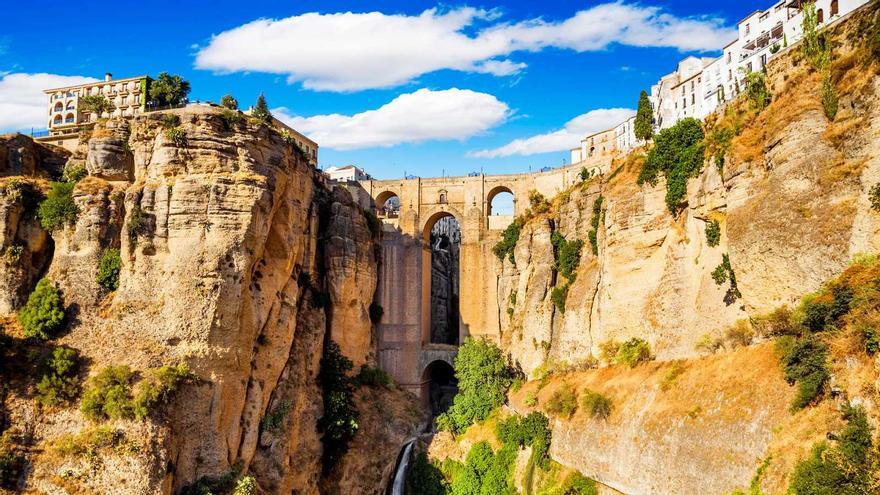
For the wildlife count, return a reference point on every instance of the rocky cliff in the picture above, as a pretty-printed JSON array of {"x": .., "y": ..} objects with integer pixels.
[{"x": 237, "y": 260}]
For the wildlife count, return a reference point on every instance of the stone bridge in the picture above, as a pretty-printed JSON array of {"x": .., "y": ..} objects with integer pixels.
[{"x": 404, "y": 345}]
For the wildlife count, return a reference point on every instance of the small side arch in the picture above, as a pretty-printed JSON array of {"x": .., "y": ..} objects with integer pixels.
[
  {"x": 495, "y": 191},
  {"x": 433, "y": 218},
  {"x": 386, "y": 206},
  {"x": 439, "y": 386}
]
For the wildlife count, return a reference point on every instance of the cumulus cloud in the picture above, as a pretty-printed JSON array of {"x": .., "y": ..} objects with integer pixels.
[
  {"x": 563, "y": 139},
  {"x": 355, "y": 51},
  {"x": 425, "y": 115},
  {"x": 22, "y": 101}
]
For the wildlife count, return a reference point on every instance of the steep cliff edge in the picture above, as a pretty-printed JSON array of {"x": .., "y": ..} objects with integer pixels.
[{"x": 237, "y": 260}]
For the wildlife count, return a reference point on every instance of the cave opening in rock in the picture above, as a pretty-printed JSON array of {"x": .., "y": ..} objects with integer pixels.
[
  {"x": 445, "y": 247},
  {"x": 439, "y": 379}
]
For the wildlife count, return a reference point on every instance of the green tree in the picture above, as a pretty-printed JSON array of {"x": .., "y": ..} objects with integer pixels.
[
  {"x": 42, "y": 315},
  {"x": 97, "y": 104},
  {"x": 229, "y": 102},
  {"x": 644, "y": 124},
  {"x": 261, "y": 110},
  {"x": 108, "y": 394},
  {"x": 59, "y": 382},
  {"x": 339, "y": 423},
  {"x": 483, "y": 380},
  {"x": 168, "y": 89}
]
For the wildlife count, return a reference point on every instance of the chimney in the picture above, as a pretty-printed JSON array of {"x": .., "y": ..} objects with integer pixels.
[{"x": 108, "y": 76}]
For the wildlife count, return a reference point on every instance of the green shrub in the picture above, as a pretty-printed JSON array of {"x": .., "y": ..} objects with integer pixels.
[
  {"x": 532, "y": 430},
  {"x": 159, "y": 387},
  {"x": 230, "y": 119},
  {"x": 10, "y": 469},
  {"x": 585, "y": 174},
  {"x": 43, "y": 314},
  {"x": 775, "y": 324},
  {"x": 275, "y": 420},
  {"x": 12, "y": 255},
  {"x": 844, "y": 469},
  {"x": 246, "y": 485},
  {"x": 89, "y": 441},
  {"x": 633, "y": 352},
  {"x": 563, "y": 403},
  {"x": 261, "y": 110},
  {"x": 229, "y": 102},
  {"x": 756, "y": 90},
  {"x": 137, "y": 223},
  {"x": 168, "y": 89},
  {"x": 598, "y": 405},
  {"x": 568, "y": 255},
  {"x": 578, "y": 484},
  {"x": 97, "y": 104},
  {"x": 376, "y": 312},
  {"x": 510, "y": 236},
  {"x": 874, "y": 196},
  {"x": 644, "y": 123},
  {"x": 108, "y": 394},
  {"x": 74, "y": 173},
  {"x": 804, "y": 362},
  {"x": 339, "y": 424},
  {"x": 718, "y": 144},
  {"x": 108, "y": 269},
  {"x": 483, "y": 381},
  {"x": 424, "y": 478},
  {"x": 713, "y": 233},
  {"x": 724, "y": 273},
  {"x": 820, "y": 312},
  {"x": 538, "y": 203},
  {"x": 177, "y": 136},
  {"x": 608, "y": 350},
  {"x": 531, "y": 399},
  {"x": 373, "y": 377},
  {"x": 593, "y": 235},
  {"x": 170, "y": 121},
  {"x": 59, "y": 383},
  {"x": 871, "y": 338},
  {"x": 558, "y": 295},
  {"x": 678, "y": 155},
  {"x": 485, "y": 472},
  {"x": 59, "y": 208}
]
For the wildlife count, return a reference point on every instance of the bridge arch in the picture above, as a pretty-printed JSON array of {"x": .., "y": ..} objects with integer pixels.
[
  {"x": 441, "y": 278},
  {"x": 493, "y": 193},
  {"x": 434, "y": 216},
  {"x": 439, "y": 385},
  {"x": 385, "y": 204}
]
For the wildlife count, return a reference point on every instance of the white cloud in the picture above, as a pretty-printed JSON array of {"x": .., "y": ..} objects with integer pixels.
[
  {"x": 425, "y": 115},
  {"x": 22, "y": 102},
  {"x": 563, "y": 139},
  {"x": 355, "y": 51}
]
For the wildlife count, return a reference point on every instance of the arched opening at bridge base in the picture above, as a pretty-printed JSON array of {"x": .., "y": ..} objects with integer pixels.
[
  {"x": 443, "y": 243},
  {"x": 439, "y": 386}
]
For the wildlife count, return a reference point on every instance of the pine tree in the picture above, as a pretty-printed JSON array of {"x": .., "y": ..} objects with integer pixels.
[
  {"x": 261, "y": 110},
  {"x": 644, "y": 125}
]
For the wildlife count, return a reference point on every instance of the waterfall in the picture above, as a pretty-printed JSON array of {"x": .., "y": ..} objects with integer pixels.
[{"x": 399, "y": 481}]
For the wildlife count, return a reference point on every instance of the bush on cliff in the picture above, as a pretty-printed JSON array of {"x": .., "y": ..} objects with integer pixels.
[
  {"x": 339, "y": 423},
  {"x": 678, "y": 155},
  {"x": 563, "y": 403},
  {"x": 485, "y": 472},
  {"x": 805, "y": 364},
  {"x": 108, "y": 394},
  {"x": 510, "y": 236},
  {"x": 598, "y": 405},
  {"x": 529, "y": 431},
  {"x": 483, "y": 379},
  {"x": 632, "y": 352},
  {"x": 58, "y": 209},
  {"x": 424, "y": 478},
  {"x": 59, "y": 383},
  {"x": 568, "y": 255},
  {"x": 43, "y": 314},
  {"x": 108, "y": 269},
  {"x": 158, "y": 388},
  {"x": 713, "y": 233}
]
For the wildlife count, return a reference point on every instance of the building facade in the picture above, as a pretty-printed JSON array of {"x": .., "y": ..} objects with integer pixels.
[
  {"x": 348, "y": 173},
  {"x": 594, "y": 146},
  {"x": 66, "y": 114}
]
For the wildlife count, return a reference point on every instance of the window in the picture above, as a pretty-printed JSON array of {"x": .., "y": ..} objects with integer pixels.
[
  {"x": 684, "y": 103},
  {"x": 820, "y": 16},
  {"x": 729, "y": 74},
  {"x": 442, "y": 198},
  {"x": 835, "y": 8},
  {"x": 748, "y": 29},
  {"x": 729, "y": 57},
  {"x": 763, "y": 60},
  {"x": 693, "y": 99}
]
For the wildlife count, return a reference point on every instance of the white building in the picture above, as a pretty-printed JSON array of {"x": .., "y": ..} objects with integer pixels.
[
  {"x": 625, "y": 133},
  {"x": 347, "y": 173},
  {"x": 699, "y": 86}
]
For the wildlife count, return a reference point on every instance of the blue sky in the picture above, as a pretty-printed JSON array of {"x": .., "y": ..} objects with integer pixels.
[{"x": 403, "y": 89}]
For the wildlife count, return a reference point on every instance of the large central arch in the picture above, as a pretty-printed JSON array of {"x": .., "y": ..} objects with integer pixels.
[{"x": 441, "y": 317}]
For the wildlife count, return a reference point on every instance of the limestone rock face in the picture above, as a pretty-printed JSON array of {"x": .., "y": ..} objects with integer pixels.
[
  {"x": 21, "y": 155},
  {"x": 108, "y": 158},
  {"x": 25, "y": 247},
  {"x": 215, "y": 233}
]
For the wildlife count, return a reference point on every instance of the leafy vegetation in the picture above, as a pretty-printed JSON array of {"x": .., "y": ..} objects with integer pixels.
[
  {"x": 718, "y": 142},
  {"x": 159, "y": 387},
  {"x": 485, "y": 472},
  {"x": 842, "y": 469},
  {"x": 724, "y": 273},
  {"x": 756, "y": 90},
  {"x": 59, "y": 383},
  {"x": 529, "y": 431},
  {"x": 483, "y": 379},
  {"x": 230, "y": 119},
  {"x": 376, "y": 312},
  {"x": 339, "y": 424},
  {"x": 43, "y": 314},
  {"x": 229, "y": 102},
  {"x": 12, "y": 255},
  {"x": 585, "y": 174},
  {"x": 678, "y": 155},
  {"x": 74, "y": 173},
  {"x": 96, "y": 104},
  {"x": 575, "y": 484},
  {"x": 509, "y": 238},
  {"x": 108, "y": 394},
  {"x": 538, "y": 204},
  {"x": 137, "y": 223},
  {"x": 373, "y": 377},
  {"x": 593, "y": 235},
  {"x": 559, "y": 295},
  {"x": 568, "y": 255},
  {"x": 713, "y": 233},
  {"x": 874, "y": 196},
  {"x": 805, "y": 363},
  {"x": 424, "y": 478},
  {"x": 644, "y": 123},
  {"x": 10, "y": 469},
  {"x": 829, "y": 97},
  {"x": 633, "y": 352},
  {"x": 598, "y": 405},
  {"x": 275, "y": 421},
  {"x": 59, "y": 208},
  {"x": 108, "y": 269},
  {"x": 168, "y": 89},
  {"x": 563, "y": 402}
]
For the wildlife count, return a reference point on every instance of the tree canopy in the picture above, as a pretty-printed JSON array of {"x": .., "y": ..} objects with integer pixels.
[
  {"x": 168, "y": 89},
  {"x": 644, "y": 125}
]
